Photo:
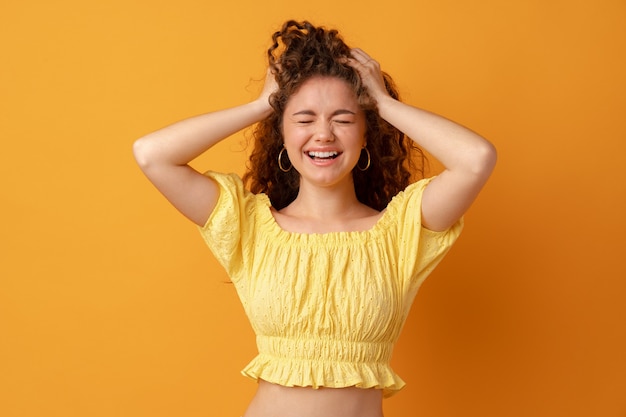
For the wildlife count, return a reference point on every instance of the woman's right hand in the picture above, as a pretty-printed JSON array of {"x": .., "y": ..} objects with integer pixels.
[{"x": 269, "y": 87}]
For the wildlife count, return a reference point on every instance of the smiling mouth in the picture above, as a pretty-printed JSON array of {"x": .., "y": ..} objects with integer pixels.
[{"x": 323, "y": 155}]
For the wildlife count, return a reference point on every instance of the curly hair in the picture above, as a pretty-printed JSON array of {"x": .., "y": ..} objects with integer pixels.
[{"x": 301, "y": 51}]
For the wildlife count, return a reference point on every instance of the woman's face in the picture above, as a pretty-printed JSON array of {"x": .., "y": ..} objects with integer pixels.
[{"x": 324, "y": 131}]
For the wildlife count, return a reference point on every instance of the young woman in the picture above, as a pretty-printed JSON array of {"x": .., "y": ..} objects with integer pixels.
[{"x": 329, "y": 241}]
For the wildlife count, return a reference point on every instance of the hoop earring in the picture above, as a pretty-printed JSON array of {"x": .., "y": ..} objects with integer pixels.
[
  {"x": 368, "y": 161},
  {"x": 280, "y": 162}
]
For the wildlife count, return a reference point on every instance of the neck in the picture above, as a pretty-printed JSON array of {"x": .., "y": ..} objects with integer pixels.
[{"x": 325, "y": 203}]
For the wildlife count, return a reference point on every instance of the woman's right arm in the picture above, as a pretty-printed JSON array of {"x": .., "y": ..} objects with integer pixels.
[{"x": 164, "y": 155}]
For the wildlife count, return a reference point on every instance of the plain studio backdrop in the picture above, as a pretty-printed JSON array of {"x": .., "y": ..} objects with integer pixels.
[{"x": 110, "y": 303}]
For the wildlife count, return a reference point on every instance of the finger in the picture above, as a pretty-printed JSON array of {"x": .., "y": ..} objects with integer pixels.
[
  {"x": 363, "y": 57},
  {"x": 274, "y": 69},
  {"x": 360, "y": 68},
  {"x": 360, "y": 55},
  {"x": 366, "y": 61}
]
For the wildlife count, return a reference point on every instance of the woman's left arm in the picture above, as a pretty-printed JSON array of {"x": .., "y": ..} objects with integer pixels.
[{"x": 467, "y": 157}]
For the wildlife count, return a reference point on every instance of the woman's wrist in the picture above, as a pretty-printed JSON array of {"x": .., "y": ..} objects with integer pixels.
[
  {"x": 386, "y": 104},
  {"x": 262, "y": 106}
]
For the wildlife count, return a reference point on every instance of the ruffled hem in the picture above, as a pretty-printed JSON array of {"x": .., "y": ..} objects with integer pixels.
[{"x": 317, "y": 374}]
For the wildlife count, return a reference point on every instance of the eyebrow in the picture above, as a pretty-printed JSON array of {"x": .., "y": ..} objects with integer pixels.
[{"x": 312, "y": 113}]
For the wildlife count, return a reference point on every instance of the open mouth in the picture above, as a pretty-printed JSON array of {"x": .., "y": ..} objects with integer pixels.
[{"x": 323, "y": 155}]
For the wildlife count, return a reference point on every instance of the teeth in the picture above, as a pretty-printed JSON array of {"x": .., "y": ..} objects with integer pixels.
[{"x": 323, "y": 154}]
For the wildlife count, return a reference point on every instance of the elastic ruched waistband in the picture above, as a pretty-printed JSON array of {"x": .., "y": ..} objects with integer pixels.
[{"x": 324, "y": 349}]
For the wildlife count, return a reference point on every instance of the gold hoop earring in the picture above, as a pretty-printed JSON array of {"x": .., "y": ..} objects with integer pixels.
[
  {"x": 280, "y": 162},
  {"x": 368, "y": 160}
]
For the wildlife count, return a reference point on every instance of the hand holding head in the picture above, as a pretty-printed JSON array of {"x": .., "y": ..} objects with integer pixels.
[
  {"x": 370, "y": 73},
  {"x": 269, "y": 87}
]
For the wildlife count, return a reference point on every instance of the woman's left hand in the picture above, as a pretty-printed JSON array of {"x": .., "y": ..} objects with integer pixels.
[{"x": 369, "y": 70}]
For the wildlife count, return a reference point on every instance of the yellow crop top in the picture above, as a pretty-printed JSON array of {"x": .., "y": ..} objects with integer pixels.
[{"x": 328, "y": 308}]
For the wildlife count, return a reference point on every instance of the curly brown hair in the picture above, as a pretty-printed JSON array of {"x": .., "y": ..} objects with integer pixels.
[{"x": 301, "y": 51}]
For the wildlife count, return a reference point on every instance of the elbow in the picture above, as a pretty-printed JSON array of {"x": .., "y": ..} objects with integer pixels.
[
  {"x": 490, "y": 156},
  {"x": 484, "y": 160},
  {"x": 141, "y": 152}
]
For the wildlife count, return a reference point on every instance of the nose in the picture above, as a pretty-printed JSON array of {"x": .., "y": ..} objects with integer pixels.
[{"x": 324, "y": 133}]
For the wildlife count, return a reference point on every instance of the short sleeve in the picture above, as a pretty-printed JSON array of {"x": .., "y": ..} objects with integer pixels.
[
  {"x": 420, "y": 249},
  {"x": 228, "y": 227}
]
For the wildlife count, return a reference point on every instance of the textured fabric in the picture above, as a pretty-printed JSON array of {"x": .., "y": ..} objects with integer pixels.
[{"x": 326, "y": 308}]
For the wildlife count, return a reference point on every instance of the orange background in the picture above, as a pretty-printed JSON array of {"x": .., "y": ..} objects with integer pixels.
[{"x": 110, "y": 304}]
